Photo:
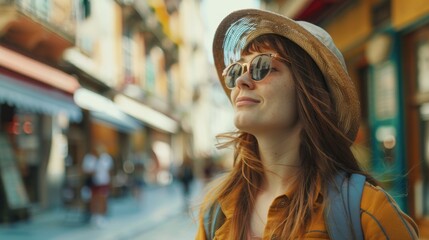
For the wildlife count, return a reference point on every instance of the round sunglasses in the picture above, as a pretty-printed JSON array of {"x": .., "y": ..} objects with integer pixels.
[{"x": 258, "y": 68}]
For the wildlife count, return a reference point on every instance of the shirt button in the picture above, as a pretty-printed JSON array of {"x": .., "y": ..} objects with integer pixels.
[{"x": 274, "y": 237}]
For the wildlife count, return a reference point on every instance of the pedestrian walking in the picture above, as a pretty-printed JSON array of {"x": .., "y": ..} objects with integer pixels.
[
  {"x": 186, "y": 176},
  {"x": 98, "y": 167},
  {"x": 297, "y": 114},
  {"x": 138, "y": 175}
]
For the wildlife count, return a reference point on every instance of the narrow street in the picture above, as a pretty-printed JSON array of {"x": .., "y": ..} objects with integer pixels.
[
  {"x": 179, "y": 226},
  {"x": 160, "y": 214}
]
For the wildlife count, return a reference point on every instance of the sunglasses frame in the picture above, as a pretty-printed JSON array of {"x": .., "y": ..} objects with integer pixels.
[{"x": 247, "y": 66}]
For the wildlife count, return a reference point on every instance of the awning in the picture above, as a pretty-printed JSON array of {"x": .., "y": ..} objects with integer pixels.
[
  {"x": 37, "y": 70},
  {"x": 37, "y": 99},
  {"x": 104, "y": 110},
  {"x": 146, "y": 114}
]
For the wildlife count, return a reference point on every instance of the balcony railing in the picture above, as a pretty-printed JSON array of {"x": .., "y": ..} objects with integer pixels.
[{"x": 58, "y": 15}]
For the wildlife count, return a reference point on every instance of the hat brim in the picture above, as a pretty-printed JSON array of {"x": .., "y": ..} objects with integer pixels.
[{"x": 341, "y": 87}]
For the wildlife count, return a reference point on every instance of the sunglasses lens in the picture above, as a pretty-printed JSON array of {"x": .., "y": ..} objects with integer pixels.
[
  {"x": 234, "y": 71},
  {"x": 260, "y": 67}
]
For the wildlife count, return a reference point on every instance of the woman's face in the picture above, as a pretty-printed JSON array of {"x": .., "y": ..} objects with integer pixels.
[{"x": 268, "y": 105}]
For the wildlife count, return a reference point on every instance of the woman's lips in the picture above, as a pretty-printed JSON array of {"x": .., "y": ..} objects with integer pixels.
[{"x": 245, "y": 101}]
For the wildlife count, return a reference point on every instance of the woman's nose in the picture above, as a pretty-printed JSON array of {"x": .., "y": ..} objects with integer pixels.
[{"x": 245, "y": 81}]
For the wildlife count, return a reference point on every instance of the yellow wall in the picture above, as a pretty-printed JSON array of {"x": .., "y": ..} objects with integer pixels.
[
  {"x": 119, "y": 59},
  {"x": 107, "y": 136},
  {"x": 351, "y": 26},
  {"x": 354, "y": 25},
  {"x": 406, "y": 12}
]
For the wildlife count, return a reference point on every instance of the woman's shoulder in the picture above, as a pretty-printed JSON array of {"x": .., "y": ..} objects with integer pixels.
[
  {"x": 375, "y": 199},
  {"x": 374, "y": 196},
  {"x": 382, "y": 215}
]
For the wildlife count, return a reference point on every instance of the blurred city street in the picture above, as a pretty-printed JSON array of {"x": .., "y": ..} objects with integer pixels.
[
  {"x": 125, "y": 93},
  {"x": 161, "y": 214}
]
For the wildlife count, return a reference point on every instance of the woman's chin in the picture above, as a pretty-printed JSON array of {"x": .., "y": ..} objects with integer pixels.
[{"x": 246, "y": 127}]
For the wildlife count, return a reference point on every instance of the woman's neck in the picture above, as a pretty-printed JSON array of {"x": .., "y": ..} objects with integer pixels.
[{"x": 280, "y": 157}]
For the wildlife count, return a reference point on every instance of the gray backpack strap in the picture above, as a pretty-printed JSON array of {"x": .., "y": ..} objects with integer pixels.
[
  {"x": 213, "y": 219},
  {"x": 342, "y": 214}
]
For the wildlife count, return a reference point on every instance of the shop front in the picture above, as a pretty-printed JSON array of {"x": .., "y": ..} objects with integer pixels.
[
  {"x": 416, "y": 72},
  {"x": 103, "y": 123},
  {"x": 386, "y": 115},
  {"x": 36, "y": 106},
  {"x": 161, "y": 148}
]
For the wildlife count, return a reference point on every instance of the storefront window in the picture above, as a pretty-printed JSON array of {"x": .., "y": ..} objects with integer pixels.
[
  {"x": 25, "y": 135},
  {"x": 416, "y": 114},
  {"x": 12, "y": 188},
  {"x": 423, "y": 67},
  {"x": 423, "y": 87},
  {"x": 424, "y": 113}
]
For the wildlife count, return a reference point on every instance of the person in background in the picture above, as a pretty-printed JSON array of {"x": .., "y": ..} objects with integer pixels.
[
  {"x": 186, "y": 177},
  {"x": 99, "y": 167},
  {"x": 85, "y": 192},
  {"x": 297, "y": 114},
  {"x": 138, "y": 175},
  {"x": 209, "y": 169}
]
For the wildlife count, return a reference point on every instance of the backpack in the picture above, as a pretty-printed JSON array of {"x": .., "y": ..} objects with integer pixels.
[{"x": 342, "y": 212}]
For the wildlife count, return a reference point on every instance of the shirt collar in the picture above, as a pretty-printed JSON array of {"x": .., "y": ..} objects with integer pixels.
[{"x": 229, "y": 203}]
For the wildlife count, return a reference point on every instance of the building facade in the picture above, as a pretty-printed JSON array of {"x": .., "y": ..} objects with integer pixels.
[
  {"x": 36, "y": 103},
  {"x": 74, "y": 74}
]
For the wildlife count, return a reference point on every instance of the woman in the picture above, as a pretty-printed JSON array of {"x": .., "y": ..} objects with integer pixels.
[{"x": 297, "y": 114}]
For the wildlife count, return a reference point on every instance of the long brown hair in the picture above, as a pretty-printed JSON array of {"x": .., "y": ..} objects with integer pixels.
[{"x": 324, "y": 148}]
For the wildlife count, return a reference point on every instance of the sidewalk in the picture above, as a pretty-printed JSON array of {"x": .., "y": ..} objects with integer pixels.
[
  {"x": 127, "y": 219},
  {"x": 177, "y": 227}
]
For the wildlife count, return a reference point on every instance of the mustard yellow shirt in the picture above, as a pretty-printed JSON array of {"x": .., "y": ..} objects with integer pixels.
[{"x": 381, "y": 218}]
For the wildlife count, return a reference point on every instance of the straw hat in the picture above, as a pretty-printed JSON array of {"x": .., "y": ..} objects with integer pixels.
[{"x": 239, "y": 28}]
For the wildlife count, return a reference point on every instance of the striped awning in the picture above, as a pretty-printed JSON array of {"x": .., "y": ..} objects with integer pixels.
[{"x": 38, "y": 99}]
